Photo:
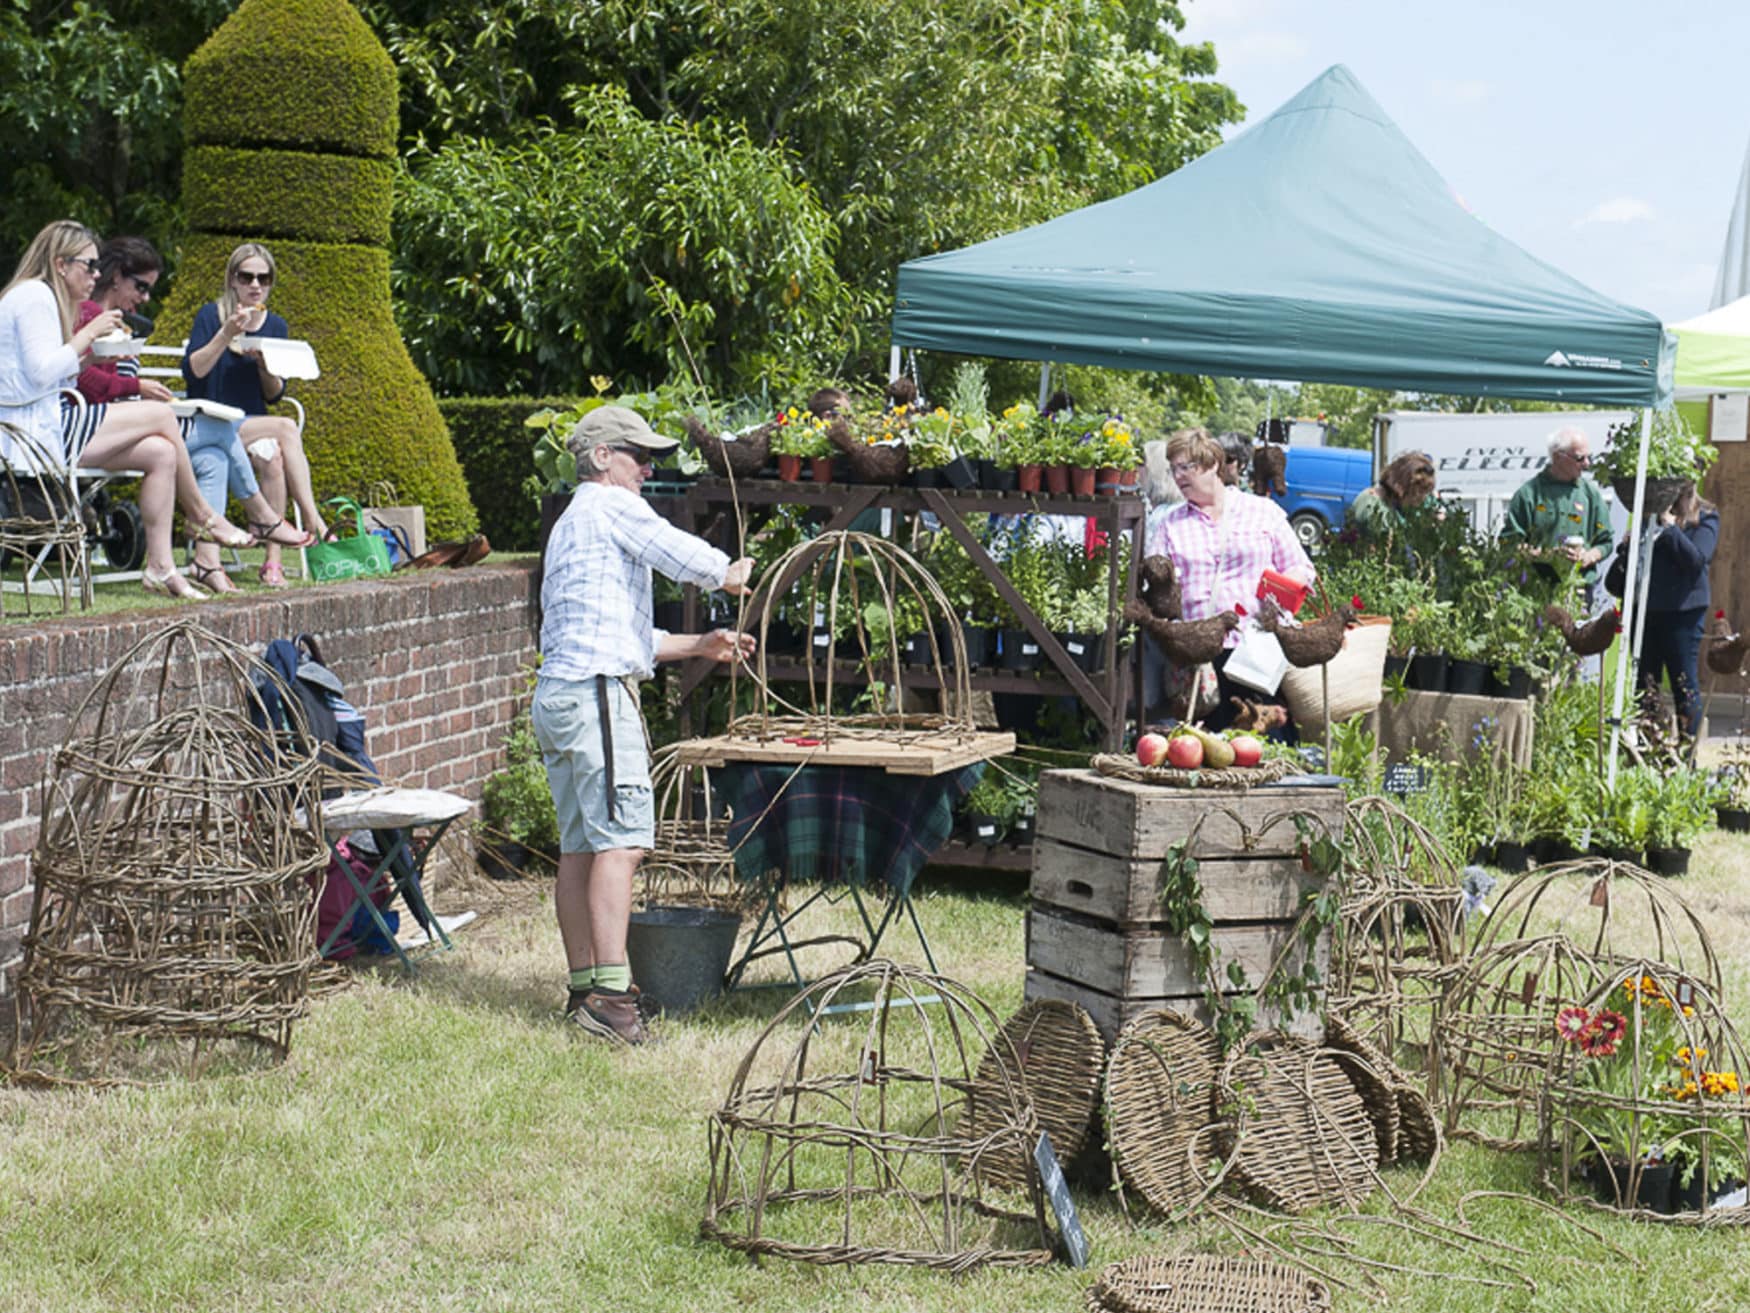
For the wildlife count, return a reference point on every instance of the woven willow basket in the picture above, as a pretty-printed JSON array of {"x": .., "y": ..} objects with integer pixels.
[
  {"x": 1160, "y": 1107},
  {"x": 1372, "y": 1074},
  {"x": 1205, "y": 1283},
  {"x": 1303, "y": 1138},
  {"x": 1060, "y": 1055}
]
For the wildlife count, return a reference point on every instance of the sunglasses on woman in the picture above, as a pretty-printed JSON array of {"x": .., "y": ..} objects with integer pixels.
[
  {"x": 265, "y": 279},
  {"x": 91, "y": 265}
]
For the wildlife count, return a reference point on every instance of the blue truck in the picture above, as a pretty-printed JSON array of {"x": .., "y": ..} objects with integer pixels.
[{"x": 1322, "y": 481}]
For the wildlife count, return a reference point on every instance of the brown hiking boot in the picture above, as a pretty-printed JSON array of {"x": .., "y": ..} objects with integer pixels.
[{"x": 612, "y": 1017}]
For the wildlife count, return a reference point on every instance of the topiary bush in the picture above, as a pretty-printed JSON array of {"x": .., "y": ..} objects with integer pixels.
[
  {"x": 291, "y": 108},
  {"x": 496, "y": 448}
]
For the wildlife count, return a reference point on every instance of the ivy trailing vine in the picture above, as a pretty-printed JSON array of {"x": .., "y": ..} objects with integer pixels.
[{"x": 1179, "y": 891}]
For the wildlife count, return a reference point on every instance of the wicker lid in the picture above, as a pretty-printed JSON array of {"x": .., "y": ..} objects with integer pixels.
[
  {"x": 1303, "y": 1138},
  {"x": 1206, "y": 1283},
  {"x": 1160, "y": 1106},
  {"x": 1061, "y": 1055},
  {"x": 1375, "y": 1079}
]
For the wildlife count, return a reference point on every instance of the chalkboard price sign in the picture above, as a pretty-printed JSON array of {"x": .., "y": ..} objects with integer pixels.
[
  {"x": 1069, "y": 1225},
  {"x": 1403, "y": 779}
]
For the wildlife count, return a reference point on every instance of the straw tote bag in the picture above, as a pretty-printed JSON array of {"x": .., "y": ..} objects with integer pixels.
[{"x": 1357, "y": 674}]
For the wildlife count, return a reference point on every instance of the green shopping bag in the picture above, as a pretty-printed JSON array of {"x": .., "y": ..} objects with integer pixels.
[{"x": 358, "y": 557}]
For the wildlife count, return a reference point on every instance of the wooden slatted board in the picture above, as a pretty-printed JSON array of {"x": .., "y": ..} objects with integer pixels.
[{"x": 915, "y": 754}]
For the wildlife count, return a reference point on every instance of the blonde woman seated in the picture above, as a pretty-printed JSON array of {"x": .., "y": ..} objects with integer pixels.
[
  {"x": 217, "y": 367},
  {"x": 41, "y": 352}
]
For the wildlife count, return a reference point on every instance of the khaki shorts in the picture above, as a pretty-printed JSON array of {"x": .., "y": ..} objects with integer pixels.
[{"x": 568, "y": 726}]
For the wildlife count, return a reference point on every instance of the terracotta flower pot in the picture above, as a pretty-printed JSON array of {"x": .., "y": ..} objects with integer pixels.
[
  {"x": 790, "y": 468},
  {"x": 1027, "y": 477},
  {"x": 1131, "y": 477},
  {"x": 1081, "y": 482},
  {"x": 821, "y": 468},
  {"x": 1057, "y": 480},
  {"x": 1106, "y": 479}
]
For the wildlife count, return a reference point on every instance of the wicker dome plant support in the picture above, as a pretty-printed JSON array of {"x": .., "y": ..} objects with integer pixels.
[
  {"x": 1555, "y": 935},
  {"x": 174, "y": 870},
  {"x": 840, "y": 576},
  {"x": 834, "y": 1146},
  {"x": 1647, "y": 1077}
]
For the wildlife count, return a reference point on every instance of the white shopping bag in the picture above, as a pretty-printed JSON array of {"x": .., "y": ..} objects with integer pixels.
[{"x": 1258, "y": 661}]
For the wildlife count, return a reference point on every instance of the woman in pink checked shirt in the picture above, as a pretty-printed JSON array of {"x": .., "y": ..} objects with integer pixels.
[{"x": 1221, "y": 541}]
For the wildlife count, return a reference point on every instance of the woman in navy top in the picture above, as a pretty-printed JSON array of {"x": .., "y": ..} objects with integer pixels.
[
  {"x": 1677, "y": 601},
  {"x": 218, "y": 369}
]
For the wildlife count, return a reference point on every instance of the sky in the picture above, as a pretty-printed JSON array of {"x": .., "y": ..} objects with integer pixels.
[{"x": 1606, "y": 139}]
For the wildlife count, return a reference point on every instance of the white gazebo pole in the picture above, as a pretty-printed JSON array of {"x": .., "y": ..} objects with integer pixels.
[
  {"x": 893, "y": 362},
  {"x": 1632, "y": 597},
  {"x": 1044, "y": 383}
]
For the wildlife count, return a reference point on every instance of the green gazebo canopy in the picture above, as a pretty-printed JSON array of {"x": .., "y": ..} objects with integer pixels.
[{"x": 1317, "y": 245}]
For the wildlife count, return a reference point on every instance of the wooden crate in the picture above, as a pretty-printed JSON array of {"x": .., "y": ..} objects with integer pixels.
[
  {"x": 1150, "y": 962},
  {"x": 1110, "y": 1014},
  {"x": 1096, "y": 934},
  {"x": 1133, "y": 820}
]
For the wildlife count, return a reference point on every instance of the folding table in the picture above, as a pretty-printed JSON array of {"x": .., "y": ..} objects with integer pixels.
[{"x": 401, "y": 860}]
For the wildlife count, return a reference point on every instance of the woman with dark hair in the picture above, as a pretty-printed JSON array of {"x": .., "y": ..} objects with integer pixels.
[
  {"x": 219, "y": 368},
  {"x": 42, "y": 352},
  {"x": 127, "y": 271},
  {"x": 1677, "y": 602},
  {"x": 1236, "y": 457},
  {"x": 1406, "y": 483}
]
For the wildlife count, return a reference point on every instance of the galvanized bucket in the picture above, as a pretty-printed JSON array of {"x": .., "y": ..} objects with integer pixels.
[{"x": 679, "y": 955}]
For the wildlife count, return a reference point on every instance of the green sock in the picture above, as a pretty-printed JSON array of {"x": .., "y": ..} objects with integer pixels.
[
  {"x": 616, "y": 977},
  {"x": 583, "y": 981}
]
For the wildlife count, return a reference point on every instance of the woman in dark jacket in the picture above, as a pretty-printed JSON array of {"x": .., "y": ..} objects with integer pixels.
[{"x": 1677, "y": 602}]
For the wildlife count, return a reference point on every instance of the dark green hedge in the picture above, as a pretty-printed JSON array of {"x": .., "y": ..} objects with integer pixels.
[
  {"x": 287, "y": 193},
  {"x": 372, "y": 415},
  {"x": 301, "y": 73},
  {"x": 496, "y": 449}
]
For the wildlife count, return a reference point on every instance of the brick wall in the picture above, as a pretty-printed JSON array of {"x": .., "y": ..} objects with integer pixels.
[{"x": 433, "y": 659}]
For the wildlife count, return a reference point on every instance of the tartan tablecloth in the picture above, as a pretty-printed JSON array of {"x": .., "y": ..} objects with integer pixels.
[{"x": 839, "y": 823}]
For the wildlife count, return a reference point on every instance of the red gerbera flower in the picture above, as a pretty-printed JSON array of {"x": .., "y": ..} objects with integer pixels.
[
  {"x": 1610, "y": 1026},
  {"x": 1597, "y": 1046},
  {"x": 1572, "y": 1024}
]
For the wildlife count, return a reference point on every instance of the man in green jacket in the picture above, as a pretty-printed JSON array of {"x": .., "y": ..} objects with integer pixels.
[{"x": 1561, "y": 512}]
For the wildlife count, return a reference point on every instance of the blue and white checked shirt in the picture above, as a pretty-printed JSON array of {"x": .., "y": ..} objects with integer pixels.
[{"x": 595, "y": 594}]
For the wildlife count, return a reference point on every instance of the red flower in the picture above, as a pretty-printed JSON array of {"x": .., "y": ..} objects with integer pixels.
[
  {"x": 1573, "y": 1023},
  {"x": 1596, "y": 1046},
  {"x": 1609, "y": 1026}
]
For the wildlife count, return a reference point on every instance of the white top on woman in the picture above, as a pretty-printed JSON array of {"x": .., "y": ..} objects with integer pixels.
[{"x": 35, "y": 363}]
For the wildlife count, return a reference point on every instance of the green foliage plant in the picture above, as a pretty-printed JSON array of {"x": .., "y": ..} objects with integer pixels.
[
  {"x": 1674, "y": 450},
  {"x": 301, "y": 161}
]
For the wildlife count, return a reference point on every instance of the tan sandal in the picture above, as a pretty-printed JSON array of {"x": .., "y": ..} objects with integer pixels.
[
  {"x": 210, "y": 533},
  {"x": 172, "y": 584}
]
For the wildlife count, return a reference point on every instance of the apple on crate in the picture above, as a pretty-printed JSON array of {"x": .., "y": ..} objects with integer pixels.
[
  {"x": 1247, "y": 750},
  {"x": 1185, "y": 751},
  {"x": 1151, "y": 749}
]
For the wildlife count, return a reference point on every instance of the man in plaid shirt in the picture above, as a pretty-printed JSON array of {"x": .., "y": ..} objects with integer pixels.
[
  {"x": 1221, "y": 541},
  {"x": 597, "y": 641}
]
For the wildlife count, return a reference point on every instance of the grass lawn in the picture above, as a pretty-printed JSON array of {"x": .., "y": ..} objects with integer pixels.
[{"x": 449, "y": 1144}]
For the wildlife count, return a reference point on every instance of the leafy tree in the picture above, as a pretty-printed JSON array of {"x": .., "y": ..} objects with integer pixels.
[
  {"x": 621, "y": 246},
  {"x": 90, "y": 105}
]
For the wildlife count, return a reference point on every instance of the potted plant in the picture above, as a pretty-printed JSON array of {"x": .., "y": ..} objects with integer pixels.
[
  {"x": 988, "y": 808},
  {"x": 1732, "y": 777},
  {"x": 1676, "y": 456},
  {"x": 1016, "y": 436},
  {"x": 1058, "y": 436},
  {"x": 1683, "y": 808},
  {"x": 516, "y": 809},
  {"x": 1084, "y": 454},
  {"x": 1117, "y": 444}
]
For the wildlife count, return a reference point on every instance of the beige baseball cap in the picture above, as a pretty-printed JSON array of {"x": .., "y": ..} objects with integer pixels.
[{"x": 616, "y": 426}]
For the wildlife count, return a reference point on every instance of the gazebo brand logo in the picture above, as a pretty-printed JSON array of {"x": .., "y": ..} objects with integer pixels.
[{"x": 1561, "y": 360}]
